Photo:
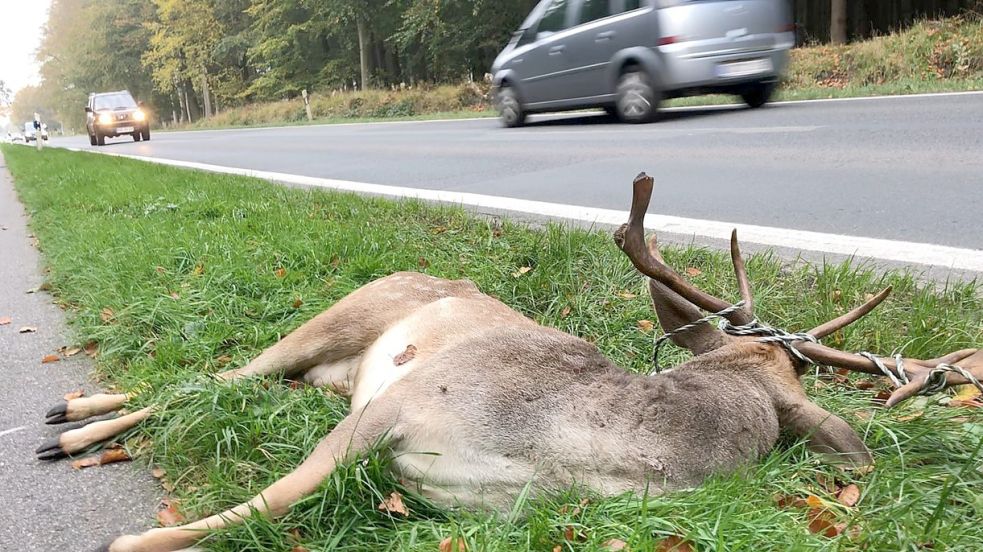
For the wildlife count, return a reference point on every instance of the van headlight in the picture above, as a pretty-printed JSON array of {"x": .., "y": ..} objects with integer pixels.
[
  {"x": 139, "y": 115},
  {"x": 105, "y": 118}
]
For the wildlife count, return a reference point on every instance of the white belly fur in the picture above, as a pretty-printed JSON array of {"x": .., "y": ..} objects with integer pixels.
[{"x": 338, "y": 376}]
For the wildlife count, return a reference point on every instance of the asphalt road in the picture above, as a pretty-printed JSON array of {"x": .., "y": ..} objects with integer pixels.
[
  {"x": 49, "y": 506},
  {"x": 906, "y": 168}
]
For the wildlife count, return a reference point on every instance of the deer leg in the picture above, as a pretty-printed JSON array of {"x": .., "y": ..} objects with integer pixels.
[
  {"x": 355, "y": 434},
  {"x": 81, "y": 408},
  {"x": 826, "y": 434},
  {"x": 77, "y": 440}
]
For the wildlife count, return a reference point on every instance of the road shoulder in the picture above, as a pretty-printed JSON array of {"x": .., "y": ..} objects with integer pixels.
[{"x": 50, "y": 506}]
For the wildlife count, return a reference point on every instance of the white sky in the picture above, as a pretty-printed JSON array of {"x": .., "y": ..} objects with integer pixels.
[{"x": 21, "y": 22}]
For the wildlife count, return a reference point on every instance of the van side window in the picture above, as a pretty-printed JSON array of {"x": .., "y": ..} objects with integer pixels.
[
  {"x": 555, "y": 18},
  {"x": 632, "y": 5},
  {"x": 591, "y": 10}
]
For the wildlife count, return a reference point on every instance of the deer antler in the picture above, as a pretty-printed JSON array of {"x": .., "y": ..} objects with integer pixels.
[
  {"x": 631, "y": 239},
  {"x": 913, "y": 376}
]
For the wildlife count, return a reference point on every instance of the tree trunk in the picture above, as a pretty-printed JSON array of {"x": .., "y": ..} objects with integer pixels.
[
  {"x": 838, "y": 18},
  {"x": 205, "y": 93},
  {"x": 363, "y": 52}
]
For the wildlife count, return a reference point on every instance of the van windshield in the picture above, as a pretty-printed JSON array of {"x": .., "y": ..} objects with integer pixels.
[{"x": 114, "y": 101}]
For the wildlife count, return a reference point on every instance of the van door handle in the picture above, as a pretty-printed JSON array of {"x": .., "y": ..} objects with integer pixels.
[
  {"x": 557, "y": 50},
  {"x": 606, "y": 35}
]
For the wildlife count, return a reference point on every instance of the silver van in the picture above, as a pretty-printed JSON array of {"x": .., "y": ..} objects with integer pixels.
[{"x": 628, "y": 55}]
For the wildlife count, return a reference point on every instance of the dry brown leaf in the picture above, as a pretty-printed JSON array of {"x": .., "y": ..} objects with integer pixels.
[
  {"x": 110, "y": 456},
  {"x": 828, "y": 483},
  {"x": 4, "y": 320},
  {"x": 175, "y": 295},
  {"x": 158, "y": 472},
  {"x": 91, "y": 349},
  {"x": 863, "y": 414},
  {"x": 521, "y": 271},
  {"x": 72, "y": 351},
  {"x": 199, "y": 269},
  {"x": 48, "y": 359},
  {"x": 299, "y": 548},
  {"x": 693, "y": 272},
  {"x": 558, "y": 548},
  {"x": 87, "y": 462},
  {"x": 963, "y": 392},
  {"x": 565, "y": 312},
  {"x": 615, "y": 545},
  {"x": 394, "y": 505},
  {"x": 224, "y": 359},
  {"x": 822, "y": 522},
  {"x": 160, "y": 270},
  {"x": 422, "y": 262},
  {"x": 673, "y": 543},
  {"x": 28, "y": 329},
  {"x": 107, "y": 315},
  {"x": 910, "y": 417},
  {"x": 74, "y": 395},
  {"x": 646, "y": 325},
  {"x": 815, "y": 502},
  {"x": 280, "y": 272},
  {"x": 298, "y": 302},
  {"x": 625, "y": 294},
  {"x": 406, "y": 356},
  {"x": 450, "y": 545},
  {"x": 975, "y": 403},
  {"x": 786, "y": 501},
  {"x": 571, "y": 534},
  {"x": 849, "y": 496},
  {"x": 170, "y": 515},
  {"x": 882, "y": 396},
  {"x": 837, "y": 295}
]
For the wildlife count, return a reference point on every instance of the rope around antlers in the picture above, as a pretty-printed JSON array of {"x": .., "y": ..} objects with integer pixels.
[{"x": 934, "y": 382}]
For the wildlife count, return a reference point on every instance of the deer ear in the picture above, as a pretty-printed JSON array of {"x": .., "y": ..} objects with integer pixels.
[
  {"x": 826, "y": 434},
  {"x": 674, "y": 312}
]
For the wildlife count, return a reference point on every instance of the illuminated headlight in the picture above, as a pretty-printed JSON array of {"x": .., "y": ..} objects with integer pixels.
[
  {"x": 105, "y": 118},
  {"x": 139, "y": 115}
]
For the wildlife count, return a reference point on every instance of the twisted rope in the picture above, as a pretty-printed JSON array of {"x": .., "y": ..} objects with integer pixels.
[{"x": 934, "y": 382}]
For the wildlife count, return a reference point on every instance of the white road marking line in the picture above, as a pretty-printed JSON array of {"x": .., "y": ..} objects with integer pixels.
[
  {"x": 14, "y": 430},
  {"x": 875, "y": 248},
  {"x": 580, "y": 114}
]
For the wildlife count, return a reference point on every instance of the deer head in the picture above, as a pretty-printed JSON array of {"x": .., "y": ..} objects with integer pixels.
[{"x": 678, "y": 302}]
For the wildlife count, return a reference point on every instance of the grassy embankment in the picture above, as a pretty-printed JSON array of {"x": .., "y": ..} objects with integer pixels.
[
  {"x": 175, "y": 274},
  {"x": 931, "y": 56}
]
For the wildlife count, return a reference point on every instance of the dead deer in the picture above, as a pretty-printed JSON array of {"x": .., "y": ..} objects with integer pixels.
[{"x": 476, "y": 401}]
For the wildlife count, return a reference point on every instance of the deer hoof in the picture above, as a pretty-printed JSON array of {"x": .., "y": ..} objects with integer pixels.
[
  {"x": 58, "y": 414},
  {"x": 51, "y": 450}
]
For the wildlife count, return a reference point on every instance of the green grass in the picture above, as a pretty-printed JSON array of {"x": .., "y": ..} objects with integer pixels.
[{"x": 125, "y": 235}]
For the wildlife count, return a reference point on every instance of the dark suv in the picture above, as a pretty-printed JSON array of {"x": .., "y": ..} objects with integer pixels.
[{"x": 112, "y": 114}]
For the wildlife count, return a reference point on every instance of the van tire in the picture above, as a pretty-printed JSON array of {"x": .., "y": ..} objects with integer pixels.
[
  {"x": 100, "y": 139},
  {"x": 92, "y": 139},
  {"x": 145, "y": 134},
  {"x": 510, "y": 108},
  {"x": 636, "y": 100},
  {"x": 758, "y": 94}
]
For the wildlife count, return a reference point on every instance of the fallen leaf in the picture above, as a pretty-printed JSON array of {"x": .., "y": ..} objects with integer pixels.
[
  {"x": 863, "y": 414},
  {"x": 966, "y": 404},
  {"x": 693, "y": 272},
  {"x": 565, "y": 312},
  {"x": 822, "y": 522},
  {"x": 4, "y": 320},
  {"x": 625, "y": 294},
  {"x": 298, "y": 302},
  {"x": 406, "y": 356},
  {"x": 673, "y": 543},
  {"x": 110, "y": 456},
  {"x": 521, "y": 271},
  {"x": 73, "y": 351},
  {"x": 170, "y": 515},
  {"x": 107, "y": 315},
  {"x": 48, "y": 359},
  {"x": 158, "y": 472},
  {"x": 963, "y": 392},
  {"x": 837, "y": 295},
  {"x": 199, "y": 269},
  {"x": 299, "y": 548},
  {"x": 828, "y": 483},
  {"x": 224, "y": 359},
  {"x": 74, "y": 395},
  {"x": 91, "y": 349},
  {"x": 786, "y": 501},
  {"x": 864, "y": 385},
  {"x": 160, "y": 270},
  {"x": 394, "y": 505},
  {"x": 450, "y": 545},
  {"x": 646, "y": 325},
  {"x": 615, "y": 545},
  {"x": 910, "y": 417},
  {"x": 280, "y": 272},
  {"x": 175, "y": 295},
  {"x": 815, "y": 502},
  {"x": 882, "y": 396},
  {"x": 422, "y": 262},
  {"x": 571, "y": 534},
  {"x": 849, "y": 496},
  {"x": 28, "y": 329}
]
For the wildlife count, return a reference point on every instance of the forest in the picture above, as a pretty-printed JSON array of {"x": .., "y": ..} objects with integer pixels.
[{"x": 190, "y": 59}]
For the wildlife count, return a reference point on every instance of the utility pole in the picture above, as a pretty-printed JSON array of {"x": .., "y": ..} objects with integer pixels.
[
  {"x": 837, "y": 23},
  {"x": 307, "y": 104},
  {"x": 37, "y": 131}
]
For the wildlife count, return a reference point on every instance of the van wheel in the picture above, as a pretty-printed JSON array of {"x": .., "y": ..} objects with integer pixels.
[
  {"x": 510, "y": 108},
  {"x": 92, "y": 139},
  {"x": 136, "y": 136},
  {"x": 100, "y": 139},
  {"x": 145, "y": 134},
  {"x": 758, "y": 94},
  {"x": 636, "y": 101}
]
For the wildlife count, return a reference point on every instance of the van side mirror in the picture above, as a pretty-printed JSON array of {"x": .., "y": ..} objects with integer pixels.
[
  {"x": 88, "y": 109},
  {"x": 526, "y": 35}
]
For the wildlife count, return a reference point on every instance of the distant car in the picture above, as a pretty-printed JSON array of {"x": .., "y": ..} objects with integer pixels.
[
  {"x": 16, "y": 137},
  {"x": 112, "y": 114},
  {"x": 628, "y": 55},
  {"x": 30, "y": 134}
]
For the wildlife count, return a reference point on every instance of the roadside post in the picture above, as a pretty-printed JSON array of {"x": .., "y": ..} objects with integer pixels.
[
  {"x": 307, "y": 104},
  {"x": 37, "y": 131}
]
